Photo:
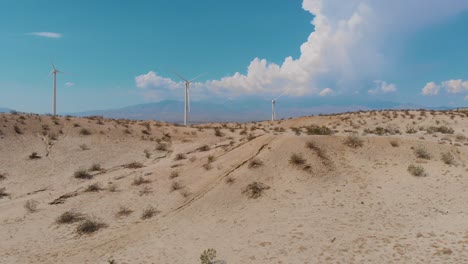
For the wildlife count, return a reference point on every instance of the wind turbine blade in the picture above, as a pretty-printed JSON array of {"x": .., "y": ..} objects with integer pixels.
[
  {"x": 282, "y": 94},
  {"x": 198, "y": 76},
  {"x": 180, "y": 76}
]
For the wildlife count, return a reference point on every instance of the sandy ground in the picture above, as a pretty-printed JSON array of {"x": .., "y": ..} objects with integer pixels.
[{"x": 342, "y": 205}]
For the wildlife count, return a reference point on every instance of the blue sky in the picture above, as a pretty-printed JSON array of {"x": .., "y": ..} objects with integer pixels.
[{"x": 117, "y": 53}]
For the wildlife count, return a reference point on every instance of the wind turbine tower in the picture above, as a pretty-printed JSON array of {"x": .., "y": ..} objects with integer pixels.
[
  {"x": 273, "y": 105},
  {"x": 187, "y": 94},
  {"x": 54, "y": 72}
]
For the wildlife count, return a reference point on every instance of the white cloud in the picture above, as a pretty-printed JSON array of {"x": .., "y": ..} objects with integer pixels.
[
  {"x": 46, "y": 34},
  {"x": 69, "y": 84},
  {"x": 343, "y": 52},
  {"x": 451, "y": 86},
  {"x": 383, "y": 87},
  {"x": 431, "y": 88},
  {"x": 326, "y": 91},
  {"x": 153, "y": 80}
]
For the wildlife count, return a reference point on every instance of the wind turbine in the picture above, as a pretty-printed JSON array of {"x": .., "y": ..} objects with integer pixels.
[
  {"x": 54, "y": 72},
  {"x": 273, "y": 105},
  {"x": 187, "y": 94}
]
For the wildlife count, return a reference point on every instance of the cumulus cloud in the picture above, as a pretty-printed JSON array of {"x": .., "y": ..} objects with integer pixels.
[
  {"x": 383, "y": 87},
  {"x": 69, "y": 84},
  {"x": 326, "y": 91},
  {"x": 153, "y": 80},
  {"x": 343, "y": 50},
  {"x": 451, "y": 86},
  {"x": 46, "y": 34}
]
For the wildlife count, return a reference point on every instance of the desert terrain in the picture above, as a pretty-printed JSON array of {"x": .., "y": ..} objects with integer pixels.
[{"x": 362, "y": 187}]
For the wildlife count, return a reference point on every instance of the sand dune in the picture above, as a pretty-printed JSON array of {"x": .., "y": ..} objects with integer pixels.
[{"x": 237, "y": 189}]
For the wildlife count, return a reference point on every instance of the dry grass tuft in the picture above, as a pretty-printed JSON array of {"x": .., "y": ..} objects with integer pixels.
[
  {"x": 297, "y": 159},
  {"x": 34, "y": 156},
  {"x": 353, "y": 141},
  {"x": 89, "y": 226},
  {"x": 133, "y": 165},
  {"x": 82, "y": 174},
  {"x": 31, "y": 206},
  {"x": 394, "y": 143},
  {"x": 85, "y": 132},
  {"x": 255, "y": 190},
  {"x": 422, "y": 153},
  {"x": 448, "y": 158},
  {"x": 124, "y": 211},
  {"x": 149, "y": 212},
  {"x": 139, "y": 181},
  {"x": 69, "y": 217},
  {"x": 255, "y": 163},
  {"x": 180, "y": 156},
  {"x": 416, "y": 170},
  {"x": 95, "y": 187},
  {"x": 3, "y": 192},
  {"x": 95, "y": 167}
]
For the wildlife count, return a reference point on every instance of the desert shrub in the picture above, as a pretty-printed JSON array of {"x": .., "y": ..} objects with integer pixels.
[
  {"x": 95, "y": 187},
  {"x": 318, "y": 130},
  {"x": 123, "y": 211},
  {"x": 448, "y": 158},
  {"x": 112, "y": 187},
  {"x": 411, "y": 130},
  {"x": 149, "y": 212},
  {"x": 353, "y": 141},
  {"x": 89, "y": 226},
  {"x": 18, "y": 130},
  {"x": 255, "y": 189},
  {"x": 147, "y": 153},
  {"x": 440, "y": 129},
  {"x": 84, "y": 147},
  {"x": 3, "y": 193},
  {"x": 180, "y": 156},
  {"x": 145, "y": 191},
  {"x": 208, "y": 256},
  {"x": 211, "y": 158},
  {"x": 230, "y": 180},
  {"x": 416, "y": 170},
  {"x": 133, "y": 165},
  {"x": 297, "y": 159},
  {"x": 95, "y": 167},
  {"x": 34, "y": 155},
  {"x": 176, "y": 186},
  {"x": 218, "y": 132},
  {"x": 82, "y": 174},
  {"x": 31, "y": 206},
  {"x": 139, "y": 181},
  {"x": 76, "y": 125},
  {"x": 394, "y": 143},
  {"x": 2, "y": 176},
  {"x": 296, "y": 130},
  {"x": 161, "y": 147},
  {"x": 255, "y": 163},
  {"x": 69, "y": 217},
  {"x": 207, "y": 166},
  {"x": 204, "y": 148},
  {"x": 422, "y": 153},
  {"x": 85, "y": 132},
  {"x": 174, "y": 175}
]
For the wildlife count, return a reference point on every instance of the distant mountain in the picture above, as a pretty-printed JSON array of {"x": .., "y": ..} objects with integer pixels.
[
  {"x": 246, "y": 109},
  {"x": 4, "y": 110}
]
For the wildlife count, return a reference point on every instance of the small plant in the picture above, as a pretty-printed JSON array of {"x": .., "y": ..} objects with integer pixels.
[
  {"x": 230, "y": 180},
  {"x": 85, "y": 132},
  {"x": 112, "y": 187},
  {"x": 255, "y": 163},
  {"x": 297, "y": 159},
  {"x": 82, "y": 174},
  {"x": 31, "y": 206},
  {"x": 149, "y": 212},
  {"x": 318, "y": 130},
  {"x": 95, "y": 187},
  {"x": 218, "y": 132},
  {"x": 422, "y": 153},
  {"x": 89, "y": 226},
  {"x": 353, "y": 141},
  {"x": 139, "y": 181},
  {"x": 174, "y": 175},
  {"x": 161, "y": 147},
  {"x": 69, "y": 217},
  {"x": 207, "y": 166},
  {"x": 145, "y": 191},
  {"x": 18, "y": 130},
  {"x": 84, "y": 147},
  {"x": 176, "y": 186},
  {"x": 208, "y": 256},
  {"x": 34, "y": 156},
  {"x": 95, "y": 167},
  {"x": 394, "y": 143},
  {"x": 147, "y": 153},
  {"x": 416, "y": 170},
  {"x": 448, "y": 158},
  {"x": 124, "y": 211},
  {"x": 255, "y": 190},
  {"x": 133, "y": 165},
  {"x": 2, "y": 176},
  {"x": 3, "y": 193},
  {"x": 180, "y": 156},
  {"x": 211, "y": 158},
  {"x": 204, "y": 148}
]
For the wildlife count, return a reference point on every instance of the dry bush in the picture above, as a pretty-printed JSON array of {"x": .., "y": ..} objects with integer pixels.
[
  {"x": 85, "y": 132},
  {"x": 89, "y": 226},
  {"x": 208, "y": 256},
  {"x": 95, "y": 187},
  {"x": 69, "y": 217},
  {"x": 95, "y": 167},
  {"x": 31, "y": 206},
  {"x": 175, "y": 186},
  {"x": 416, "y": 170},
  {"x": 2, "y": 176},
  {"x": 353, "y": 141},
  {"x": 255, "y": 189},
  {"x": 18, "y": 130},
  {"x": 161, "y": 147},
  {"x": 204, "y": 148},
  {"x": 218, "y": 132},
  {"x": 174, "y": 175},
  {"x": 82, "y": 174},
  {"x": 139, "y": 181},
  {"x": 3, "y": 192},
  {"x": 422, "y": 153},
  {"x": 123, "y": 211},
  {"x": 230, "y": 180},
  {"x": 411, "y": 130},
  {"x": 255, "y": 163},
  {"x": 112, "y": 187},
  {"x": 211, "y": 158},
  {"x": 149, "y": 212},
  {"x": 84, "y": 147},
  {"x": 180, "y": 156},
  {"x": 297, "y": 159},
  {"x": 133, "y": 165},
  {"x": 34, "y": 156},
  {"x": 448, "y": 158},
  {"x": 318, "y": 130},
  {"x": 147, "y": 153},
  {"x": 394, "y": 143},
  {"x": 146, "y": 190},
  {"x": 207, "y": 166}
]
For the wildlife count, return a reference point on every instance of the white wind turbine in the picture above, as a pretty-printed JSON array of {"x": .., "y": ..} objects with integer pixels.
[
  {"x": 273, "y": 105},
  {"x": 54, "y": 72},
  {"x": 187, "y": 94}
]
